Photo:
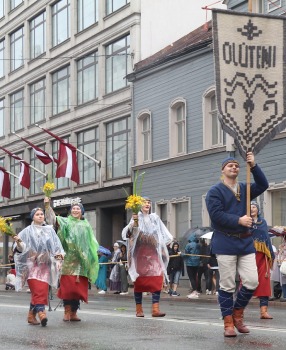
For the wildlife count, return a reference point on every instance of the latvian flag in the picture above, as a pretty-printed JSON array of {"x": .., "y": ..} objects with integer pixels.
[
  {"x": 5, "y": 187},
  {"x": 24, "y": 178},
  {"x": 67, "y": 160},
  {"x": 43, "y": 156}
]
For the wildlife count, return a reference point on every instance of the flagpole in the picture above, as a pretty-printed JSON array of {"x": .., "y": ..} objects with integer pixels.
[
  {"x": 22, "y": 160},
  {"x": 98, "y": 162},
  {"x": 31, "y": 166},
  {"x": 39, "y": 171},
  {"x": 12, "y": 174},
  {"x": 93, "y": 159}
]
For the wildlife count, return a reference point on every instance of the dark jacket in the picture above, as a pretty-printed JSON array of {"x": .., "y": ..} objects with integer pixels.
[
  {"x": 175, "y": 263},
  {"x": 213, "y": 261},
  {"x": 205, "y": 250}
]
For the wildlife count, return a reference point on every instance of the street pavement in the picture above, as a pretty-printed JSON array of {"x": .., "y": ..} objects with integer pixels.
[{"x": 109, "y": 322}]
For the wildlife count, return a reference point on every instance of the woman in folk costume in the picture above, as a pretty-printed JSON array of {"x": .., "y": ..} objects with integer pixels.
[
  {"x": 81, "y": 259},
  {"x": 100, "y": 282},
  {"x": 147, "y": 256},
  {"x": 114, "y": 278},
  {"x": 264, "y": 259},
  {"x": 38, "y": 257}
]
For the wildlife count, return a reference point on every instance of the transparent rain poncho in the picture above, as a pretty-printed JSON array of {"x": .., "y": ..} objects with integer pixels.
[
  {"x": 147, "y": 252},
  {"x": 40, "y": 245}
]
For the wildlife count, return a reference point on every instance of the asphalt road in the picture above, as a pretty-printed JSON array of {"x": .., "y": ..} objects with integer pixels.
[{"x": 109, "y": 322}]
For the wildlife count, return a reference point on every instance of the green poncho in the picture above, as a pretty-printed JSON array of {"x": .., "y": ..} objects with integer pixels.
[{"x": 80, "y": 246}]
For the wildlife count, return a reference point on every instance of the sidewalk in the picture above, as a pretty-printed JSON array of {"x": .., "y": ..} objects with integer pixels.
[{"x": 184, "y": 290}]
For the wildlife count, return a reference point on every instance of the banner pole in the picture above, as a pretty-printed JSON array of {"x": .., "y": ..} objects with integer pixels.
[
  {"x": 247, "y": 189},
  {"x": 247, "y": 164}
]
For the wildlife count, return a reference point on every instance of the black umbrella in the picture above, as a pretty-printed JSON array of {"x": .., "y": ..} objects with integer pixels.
[{"x": 197, "y": 232}]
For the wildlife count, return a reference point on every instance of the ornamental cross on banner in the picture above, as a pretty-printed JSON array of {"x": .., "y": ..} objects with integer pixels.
[{"x": 250, "y": 76}]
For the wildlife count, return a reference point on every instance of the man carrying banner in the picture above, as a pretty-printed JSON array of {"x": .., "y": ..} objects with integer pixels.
[{"x": 232, "y": 242}]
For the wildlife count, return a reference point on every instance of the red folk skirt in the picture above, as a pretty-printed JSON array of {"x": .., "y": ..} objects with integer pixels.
[
  {"x": 264, "y": 287},
  {"x": 150, "y": 277},
  {"x": 148, "y": 284},
  {"x": 39, "y": 292},
  {"x": 73, "y": 288}
]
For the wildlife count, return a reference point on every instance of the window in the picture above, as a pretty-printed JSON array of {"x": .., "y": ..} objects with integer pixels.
[
  {"x": 15, "y": 168},
  {"x": 278, "y": 199},
  {"x": 206, "y": 221},
  {"x": 87, "y": 78},
  {"x": 2, "y": 117},
  {"x": 118, "y": 64},
  {"x": 180, "y": 216},
  {"x": 258, "y": 6},
  {"x": 88, "y": 142},
  {"x": 38, "y": 35},
  {"x": 213, "y": 133},
  {"x": 144, "y": 137},
  {"x": 2, "y": 165},
  {"x": 37, "y": 179},
  {"x": 118, "y": 140},
  {"x": 61, "y": 182},
  {"x": 2, "y": 8},
  {"x": 37, "y": 101},
  {"x": 2, "y": 65},
  {"x": 273, "y": 5},
  {"x": 61, "y": 90},
  {"x": 17, "y": 111},
  {"x": 163, "y": 212},
  {"x": 15, "y": 3},
  {"x": 17, "y": 49},
  {"x": 177, "y": 129},
  {"x": 61, "y": 21},
  {"x": 113, "y": 5},
  {"x": 87, "y": 13}
]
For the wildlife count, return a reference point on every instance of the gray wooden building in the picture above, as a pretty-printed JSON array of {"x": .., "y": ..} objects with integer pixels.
[{"x": 177, "y": 138}]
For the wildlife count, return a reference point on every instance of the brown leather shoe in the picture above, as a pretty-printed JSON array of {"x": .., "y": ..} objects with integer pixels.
[
  {"x": 32, "y": 318},
  {"x": 139, "y": 310},
  {"x": 229, "y": 327},
  {"x": 264, "y": 315},
  {"x": 73, "y": 317},
  {"x": 238, "y": 320},
  {"x": 156, "y": 312},
  {"x": 67, "y": 314},
  {"x": 43, "y": 318}
]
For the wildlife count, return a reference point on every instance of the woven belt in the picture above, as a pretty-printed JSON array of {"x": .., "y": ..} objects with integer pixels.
[{"x": 237, "y": 235}]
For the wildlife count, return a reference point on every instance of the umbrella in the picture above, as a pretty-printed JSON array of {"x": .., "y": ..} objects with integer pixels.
[
  {"x": 103, "y": 250},
  {"x": 121, "y": 242},
  {"x": 197, "y": 231},
  {"x": 207, "y": 235}
]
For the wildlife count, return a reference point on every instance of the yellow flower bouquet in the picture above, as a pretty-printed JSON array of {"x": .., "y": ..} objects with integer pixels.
[
  {"x": 48, "y": 188},
  {"x": 135, "y": 201},
  {"x": 6, "y": 226}
]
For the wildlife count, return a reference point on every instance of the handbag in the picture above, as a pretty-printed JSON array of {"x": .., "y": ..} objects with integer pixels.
[{"x": 283, "y": 267}]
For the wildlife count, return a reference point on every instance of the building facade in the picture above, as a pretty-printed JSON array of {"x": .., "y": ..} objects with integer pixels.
[
  {"x": 179, "y": 141},
  {"x": 63, "y": 66}
]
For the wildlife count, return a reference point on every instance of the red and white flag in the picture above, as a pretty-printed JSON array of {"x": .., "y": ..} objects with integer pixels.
[
  {"x": 67, "y": 160},
  {"x": 42, "y": 155},
  {"x": 5, "y": 187},
  {"x": 24, "y": 178}
]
